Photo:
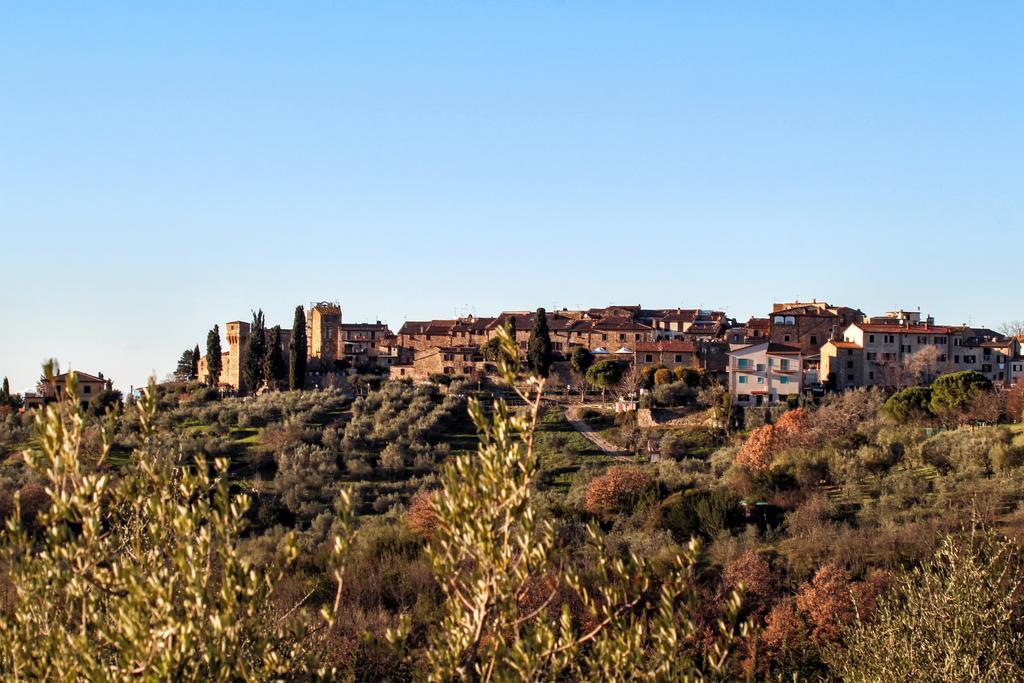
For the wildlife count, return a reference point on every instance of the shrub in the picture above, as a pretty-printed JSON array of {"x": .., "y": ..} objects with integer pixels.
[
  {"x": 674, "y": 394},
  {"x": 618, "y": 489},
  {"x": 954, "y": 619},
  {"x": 421, "y": 518},
  {"x": 358, "y": 468},
  {"x": 393, "y": 457},
  {"x": 150, "y": 562},
  {"x": 751, "y": 572},
  {"x": 306, "y": 479},
  {"x": 1005, "y": 457},
  {"x": 662, "y": 376}
]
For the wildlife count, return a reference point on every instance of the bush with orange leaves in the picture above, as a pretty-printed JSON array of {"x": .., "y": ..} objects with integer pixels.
[
  {"x": 751, "y": 571},
  {"x": 798, "y": 629},
  {"x": 421, "y": 518},
  {"x": 617, "y": 489},
  {"x": 765, "y": 442}
]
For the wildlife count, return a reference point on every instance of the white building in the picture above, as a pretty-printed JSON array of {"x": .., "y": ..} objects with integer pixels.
[{"x": 765, "y": 373}]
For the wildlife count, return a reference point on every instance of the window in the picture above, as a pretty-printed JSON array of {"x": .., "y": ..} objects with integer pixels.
[
  {"x": 783, "y": 380},
  {"x": 922, "y": 340},
  {"x": 760, "y": 367},
  {"x": 784, "y": 364},
  {"x": 622, "y": 337},
  {"x": 849, "y": 378},
  {"x": 466, "y": 370},
  {"x": 760, "y": 380},
  {"x": 814, "y": 339},
  {"x": 849, "y": 352},
  {"x": 785, "y": 337},
  {"x": 939, "y": 340},
  {"x": 649, "y": 358},
  {"x": 771, "y": 362},
  {"x": 905, "y": 348},
  {"x": 86, "y": 389},
  {"x": 679, "y": 358},
  {"x": 449, "y": 371},
  {"x": 871, "y": 355},
  {"x": 448, "y": 356},
  {"x": 956, "y": 359},
  {"x": 743, "y": 397},
  {"x": 849, "y": 364},
  {"x": 637, "y": 337},
  {"x": 604, "y": 337},
  {"x": 871, "y": 375},
  {"x": 744, "y": 363},
  {"x": 743, "y": 379},
  {"x": 890, "y": 339},
  {"x": 871, "y": 338}
]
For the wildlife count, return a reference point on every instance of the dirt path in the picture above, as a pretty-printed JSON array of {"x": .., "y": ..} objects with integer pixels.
[{"x": 572, "y": 417}]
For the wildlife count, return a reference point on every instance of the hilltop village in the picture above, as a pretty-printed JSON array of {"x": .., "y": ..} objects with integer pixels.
[{"x": 798, "y": 347}]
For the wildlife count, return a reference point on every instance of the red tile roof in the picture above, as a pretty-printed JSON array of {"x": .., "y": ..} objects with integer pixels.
[
  {"x": 670, "y": 346},
  {"x": 908, "y": 329}
]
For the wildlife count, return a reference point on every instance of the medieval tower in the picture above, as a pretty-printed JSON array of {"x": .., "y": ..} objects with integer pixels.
[{"x": 325, "y": 330}]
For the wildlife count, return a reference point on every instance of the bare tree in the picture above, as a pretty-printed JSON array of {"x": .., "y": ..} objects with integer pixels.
[
  {"x": 629, "y": 385},
  {"x": 1012, "y": 328},
  {"x": 921, "y": 367}
]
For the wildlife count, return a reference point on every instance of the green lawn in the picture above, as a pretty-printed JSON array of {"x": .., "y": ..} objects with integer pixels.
[{"x": 562, "y": 450}]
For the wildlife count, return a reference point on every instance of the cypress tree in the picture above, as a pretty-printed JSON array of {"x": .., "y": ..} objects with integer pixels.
[
  {"x": 254, "y": 353},
  {"x": 195, "y": 363},
  {"x": 213, "y": 360},
  {"x": 273, "y": 369},
  {"x": 297, "y": 351},
  {"x": 538, "y": 354},
  {"x": 5, "y": 392}
]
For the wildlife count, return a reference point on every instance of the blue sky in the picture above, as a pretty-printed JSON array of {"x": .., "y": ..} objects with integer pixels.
[{"x": 165, "y": 169}]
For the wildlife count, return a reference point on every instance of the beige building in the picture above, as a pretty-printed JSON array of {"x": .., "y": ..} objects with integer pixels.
[
  {"x": 88, "y": 386},
  {"x": 897, "y": 350},
  {"x": 455, "y": 361},
  {"x": 765, "y": 373}
]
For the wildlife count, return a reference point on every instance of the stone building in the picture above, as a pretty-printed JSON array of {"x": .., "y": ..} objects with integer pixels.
[
  {"x": 810, "y": 324},
  {"x": 329, "y": 341},
  {"x": 455, "y": 361}
]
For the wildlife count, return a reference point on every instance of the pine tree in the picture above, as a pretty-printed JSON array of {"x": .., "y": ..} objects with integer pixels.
[
  {"x": 184, "y": 370},
  {"x": 297, "y": 351},
  {"x": 538, "y": 354},
  {"x": 274, "y": 370},
  {"x": 254, "y": 353},
  {"x": 213, "y": 360},
  {"x": 195, "y": 363}
]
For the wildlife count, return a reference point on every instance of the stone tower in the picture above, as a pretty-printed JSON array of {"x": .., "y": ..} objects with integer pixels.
[
  {"x": 238, "y": 334},
  {"x": 325, "y": 330}
]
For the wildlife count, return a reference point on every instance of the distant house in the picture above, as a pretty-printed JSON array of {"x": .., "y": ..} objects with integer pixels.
[
  {"x": 88, "y": 386},
  {"x": 764, "y": 373}
]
